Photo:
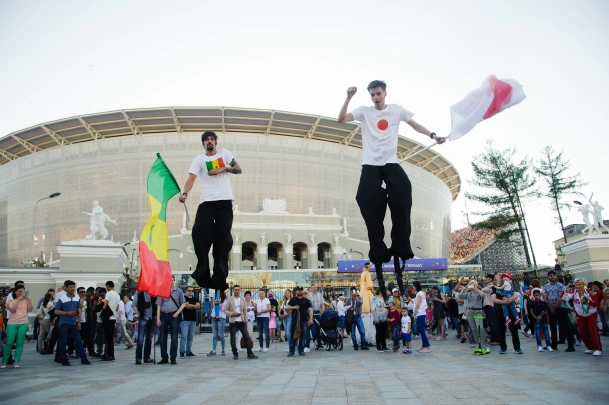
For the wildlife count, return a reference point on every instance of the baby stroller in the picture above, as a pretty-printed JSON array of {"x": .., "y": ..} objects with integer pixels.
[{"x": 329, "y": 333}]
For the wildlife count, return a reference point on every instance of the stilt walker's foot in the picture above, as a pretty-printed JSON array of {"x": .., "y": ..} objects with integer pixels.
[
  {"x": 201, "y": 277},
  {"x": 399, "y": 270}
]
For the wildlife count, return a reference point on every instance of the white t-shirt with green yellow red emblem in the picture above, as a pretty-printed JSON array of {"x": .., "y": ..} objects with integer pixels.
[{"x": 213, "y": 187}]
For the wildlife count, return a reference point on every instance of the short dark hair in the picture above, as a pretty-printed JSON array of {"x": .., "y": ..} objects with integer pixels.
[
  {"x": 19, "y": 282},
  {"x": 68, "y": 283},
  {"x": 110, "y": 283},
  {"x": 490, "y": 275},
  {"x": 80, "y": 289},
  {"x": 377, "y": 83},
  {"x": 209, "y": 133},
  {"x": 50, "y": 289},
  {"x": 102, "y": 290},
  {"x": 247, "y": 292},
  {"x": 551, "y": 272},
  {"x": 90, "y": 289},
  {"x": 236, "y": 285},
  {"x": 536, "y": 291},
  {"x": 417, "y": 285}
]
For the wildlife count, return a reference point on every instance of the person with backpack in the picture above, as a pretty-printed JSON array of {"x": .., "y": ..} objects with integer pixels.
[{"x": 45, "y": 310}]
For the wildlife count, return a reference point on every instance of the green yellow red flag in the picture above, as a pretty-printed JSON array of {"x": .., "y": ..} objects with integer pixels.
[{"x": 155, "y": 273}]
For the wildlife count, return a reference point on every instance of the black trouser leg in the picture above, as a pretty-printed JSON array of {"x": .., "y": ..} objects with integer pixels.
[
  {"x": 109, "y": 336},
  {"x": 564, "y": 322},
  {"x": 553, "y": 331},
  {"x": 202, "y": 238},
  {"x": 381, "y": 335},
  {"x": 372, "y": 201},
  {"x": 223, "y": 242},
  {"x": 399, "y": 199}
]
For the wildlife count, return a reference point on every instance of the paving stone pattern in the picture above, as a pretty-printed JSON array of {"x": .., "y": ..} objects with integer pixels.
[{"x": 450, "y": 374}]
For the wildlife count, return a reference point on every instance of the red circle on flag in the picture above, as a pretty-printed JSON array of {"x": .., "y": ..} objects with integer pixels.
[{"x": 382, "y": 124}]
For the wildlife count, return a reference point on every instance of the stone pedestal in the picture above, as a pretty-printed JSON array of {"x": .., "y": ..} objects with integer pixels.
[
  {"x": 588, "y": 257},
  {"x": 92, "y": 262}
]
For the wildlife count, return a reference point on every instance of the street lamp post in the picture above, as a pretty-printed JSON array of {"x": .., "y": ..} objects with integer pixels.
[{"x": 30, "y": 262}]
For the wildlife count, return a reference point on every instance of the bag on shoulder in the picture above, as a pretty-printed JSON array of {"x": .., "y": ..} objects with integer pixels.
[
  {"x": 40, "y": 312},
  {"x": 181, "y": 315}
]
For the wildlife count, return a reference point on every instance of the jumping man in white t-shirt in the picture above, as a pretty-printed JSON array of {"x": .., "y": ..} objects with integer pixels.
[
  {"x": 214, "y": 218},
  {"x": 380, "y": 125}
]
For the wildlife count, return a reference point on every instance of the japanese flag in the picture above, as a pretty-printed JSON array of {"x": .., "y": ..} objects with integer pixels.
[{"x": 492, "y": 97}]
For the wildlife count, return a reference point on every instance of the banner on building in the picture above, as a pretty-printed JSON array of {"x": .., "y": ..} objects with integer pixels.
[{"x": 356, "y": 266}]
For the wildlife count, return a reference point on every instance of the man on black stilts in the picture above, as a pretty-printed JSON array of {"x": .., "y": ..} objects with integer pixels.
[
  {"x": 214, "y": 218},
  {"x": 380, "y": 126}
]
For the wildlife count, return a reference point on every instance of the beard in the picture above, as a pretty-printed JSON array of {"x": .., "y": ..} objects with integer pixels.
[{"x": 210, "y": 147}]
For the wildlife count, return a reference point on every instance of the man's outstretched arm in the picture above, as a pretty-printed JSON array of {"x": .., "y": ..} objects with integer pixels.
[
  {"x": 343, "y": 116},
  {"x": 234, "y": 167},
  {"x": 422, "y": 130},
  {"x": 188, "y": 187}
]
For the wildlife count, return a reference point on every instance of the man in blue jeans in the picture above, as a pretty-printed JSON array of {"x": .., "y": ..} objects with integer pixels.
[
  {"x": 167, "y": 311},
  {"x": 188, "y": 323},
  {"x": 68, "y": 309},
  {"x": 305, "y": 319},
  {"x": 355, "y": 304},
  {"x": 317, "y": 302},
  {"x": 142, "y": 305}
]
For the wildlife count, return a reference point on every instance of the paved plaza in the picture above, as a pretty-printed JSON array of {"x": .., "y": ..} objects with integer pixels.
[{"x": 448, "y": 375}]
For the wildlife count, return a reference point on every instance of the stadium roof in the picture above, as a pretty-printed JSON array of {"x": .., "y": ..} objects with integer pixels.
[{"x": 139, "y": 122}]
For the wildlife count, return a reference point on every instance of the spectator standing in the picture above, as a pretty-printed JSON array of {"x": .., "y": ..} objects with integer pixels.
[
  {"x": 84, "y": 312},
  {"x": 406, "y": 331},
  {"x": 302, "y": 318},
  {"x": 17, "y": 326},
  {"x": 354, "y": 305},
  {"x": 189, "y": 322},
  {"x": 129, "y": 317},
  {"x": 394, "y": 324},
  {"x": 439, "y": 314},
  {"x": 586, "y": 310},
  {"x": 100, "y": 337},
  {"x": 142, "y": 305},
  {"x": 237, "y": 318},
  {"x": 68, "y": 310},
  {"x": 286, "y": 315},
  {"x": 553, "y": 291},
  {"x": 539, "y": 311},
  {"x": 46, "y": 306},
  {"x": 218, "y": 324},
  {"x": 342, "y": 311},
  {"x": 599, "y": 296},
  {"x": 251, "y": 314},
  {"x": 499, "y": 300},
  {"x": 92, "y": 321},
  {"x": 317, "y": 302},
  {"x": 489, "y": 311},
  {"x": 167, "y": 319},
  {"x": 529, "y": 322},
  {"x": 420, "y": 312},
  {"x": 263, "y": 313},
  {"x": 111, "y": 303},
  {"x": 475, "y": 314},
  {"x": 379, "y": 312}
]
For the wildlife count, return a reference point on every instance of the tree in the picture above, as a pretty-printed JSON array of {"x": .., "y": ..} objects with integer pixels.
[
  {"x": 552, "y": 169},
  {"x": 508, "y": 183}
]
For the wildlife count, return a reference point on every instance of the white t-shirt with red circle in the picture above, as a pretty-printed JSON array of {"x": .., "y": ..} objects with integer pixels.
[{"x": 380, "y": 132}]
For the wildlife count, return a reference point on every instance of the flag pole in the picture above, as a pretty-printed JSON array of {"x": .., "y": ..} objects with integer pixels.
[
  {"x": 417, "y": 153},
  {"x": 186, "y": 210}
]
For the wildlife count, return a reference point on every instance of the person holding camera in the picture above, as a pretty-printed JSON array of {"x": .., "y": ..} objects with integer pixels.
[{"x": 17, "y": 325}]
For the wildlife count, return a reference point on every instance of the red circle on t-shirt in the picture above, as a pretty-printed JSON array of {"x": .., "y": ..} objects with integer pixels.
[{"x": 382, "y": 124}]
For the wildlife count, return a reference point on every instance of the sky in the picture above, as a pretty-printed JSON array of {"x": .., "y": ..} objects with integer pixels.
[{"x": 64, "y": 58}]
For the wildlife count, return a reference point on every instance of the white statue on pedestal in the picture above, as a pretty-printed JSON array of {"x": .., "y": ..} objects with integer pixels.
[
  {"x": 586, "y": 211},
  {"x": 98, "y": 222},
  {"x": 597, "y": 214}
]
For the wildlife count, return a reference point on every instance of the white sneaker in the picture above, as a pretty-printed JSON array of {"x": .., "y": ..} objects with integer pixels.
[
  {"x": 266, "y": 349},
  {"x": 550, "y": 349},
  {"x": 588, "y": 352},
  {"x": 259, "y": 349},
  {"x": 286, "y": 350},
  {"x": 597, "y": 353},
  {"x": 540, "y": 349},
  {"x": 307, "y": 350}
]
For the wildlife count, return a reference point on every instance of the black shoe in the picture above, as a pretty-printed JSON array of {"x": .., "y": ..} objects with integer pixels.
[
  {"x": 85, "y": 361},
  {"x": 173, "y": 361},
  {"x": 190, "y": 354},
  {"x": 355, "y": 347},
  {"x": 570, "y": 349},
  {"x": 252, "y": 356},
  {"x": 65, "y": 363},
  {"x": 56, "y": 360},
  {"x": 106, "y": 358},
  {"x": 129, "y": 347},
  {"x": 301, "y": 353},
  {"x": 365, "y": 348},
  {"x": 235, "y": 357},
  {"x": 290, "y": 354},
  {"x": 163, "y": 361},
  {"x": 138, "y": 362},
  {"x": 149, "y": 361},
  {"x": 182, "y": 355},
  {"x": 463, "y": 340}
]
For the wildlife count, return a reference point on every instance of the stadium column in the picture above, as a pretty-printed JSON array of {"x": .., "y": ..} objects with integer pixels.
[
  {"x": 262, "y": 257},
  {"x": 236, "y": 258},
  {"x": 288, "y": 257}
]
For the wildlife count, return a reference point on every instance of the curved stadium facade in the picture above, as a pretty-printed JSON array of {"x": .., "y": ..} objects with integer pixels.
[{"x": 309, "y": 160}]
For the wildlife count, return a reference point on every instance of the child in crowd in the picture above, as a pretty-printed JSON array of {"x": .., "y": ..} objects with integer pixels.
[
  {"x": 273, "y": 323},
  {"x": 539, "y": 310},
  {"x": 406, "y": 327},
  {"x": 394, "y": 324},
  {"x": 507, "y": 289}
]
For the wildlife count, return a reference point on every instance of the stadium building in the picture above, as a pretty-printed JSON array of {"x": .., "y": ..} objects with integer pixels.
[{"x": 305, "y": 167}]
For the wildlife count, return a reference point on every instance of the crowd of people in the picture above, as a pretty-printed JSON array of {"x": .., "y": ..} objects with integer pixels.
[
  {"x": 467, "y": 241},
  {"x": 78, "y": 323}
]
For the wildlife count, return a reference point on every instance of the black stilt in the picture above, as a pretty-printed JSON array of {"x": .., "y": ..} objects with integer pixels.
[
  {"x": 381, "y": 280},
  {"x": 399, "y": 271}
]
